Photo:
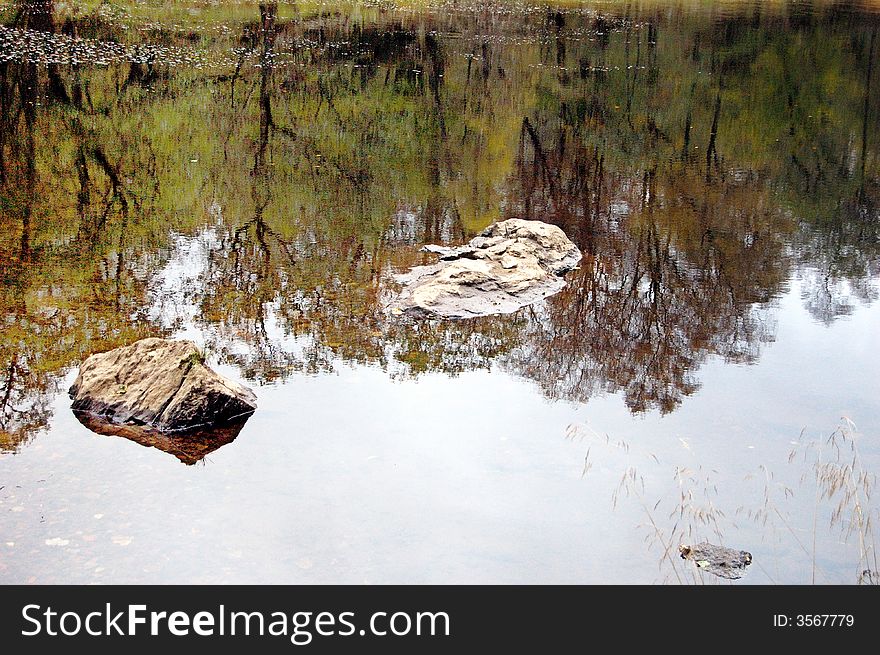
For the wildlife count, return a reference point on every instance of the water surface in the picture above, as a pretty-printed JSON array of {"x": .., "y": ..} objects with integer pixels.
[{"x": 252, "y": 176}]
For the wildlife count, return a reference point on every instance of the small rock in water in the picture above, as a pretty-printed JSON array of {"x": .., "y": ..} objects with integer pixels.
[
  {"x": 718, "y": 560},
  {"x": 509, "y": 265}
]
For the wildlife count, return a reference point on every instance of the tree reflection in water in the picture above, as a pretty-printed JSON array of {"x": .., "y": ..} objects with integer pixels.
[{"x": 694, "y": 158}]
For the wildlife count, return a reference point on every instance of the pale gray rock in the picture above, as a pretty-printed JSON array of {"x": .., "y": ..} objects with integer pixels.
[
  {"x": 509, "y": 265},
  {"x": 160, "y": 384},
  {"x": 719, "y": 560}
]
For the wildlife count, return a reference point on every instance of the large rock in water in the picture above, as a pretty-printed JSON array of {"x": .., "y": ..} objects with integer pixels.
[
  {"x": 160, "y": 384},
  {"x": 510, "y": 264}
]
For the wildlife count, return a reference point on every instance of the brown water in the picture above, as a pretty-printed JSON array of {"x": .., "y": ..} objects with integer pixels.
[{"x": 252, "y": 176}]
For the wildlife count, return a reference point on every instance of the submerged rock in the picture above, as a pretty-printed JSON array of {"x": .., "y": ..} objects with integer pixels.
[
  {"x": 511, "y": 264},
  {"x": 159, "y": 384},
  {"x": 718, "y": 560}
]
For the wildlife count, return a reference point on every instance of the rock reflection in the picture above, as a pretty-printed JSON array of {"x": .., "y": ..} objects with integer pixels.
[
  {"x": 693, "y": 158},
  {"x": 189, "y": 447}
]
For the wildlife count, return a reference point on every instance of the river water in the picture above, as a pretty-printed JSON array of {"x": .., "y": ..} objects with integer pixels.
[{"x": 253, "y": 176}]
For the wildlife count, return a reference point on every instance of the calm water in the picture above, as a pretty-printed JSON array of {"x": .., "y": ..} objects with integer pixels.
[{"x": 252, "y": 177}]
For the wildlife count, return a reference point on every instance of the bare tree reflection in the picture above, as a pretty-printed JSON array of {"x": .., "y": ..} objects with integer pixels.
[
  {"x": 66, "y": 281},
  {"x": 674, "y": 271},
  {"x": 313, "y": 167}
]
